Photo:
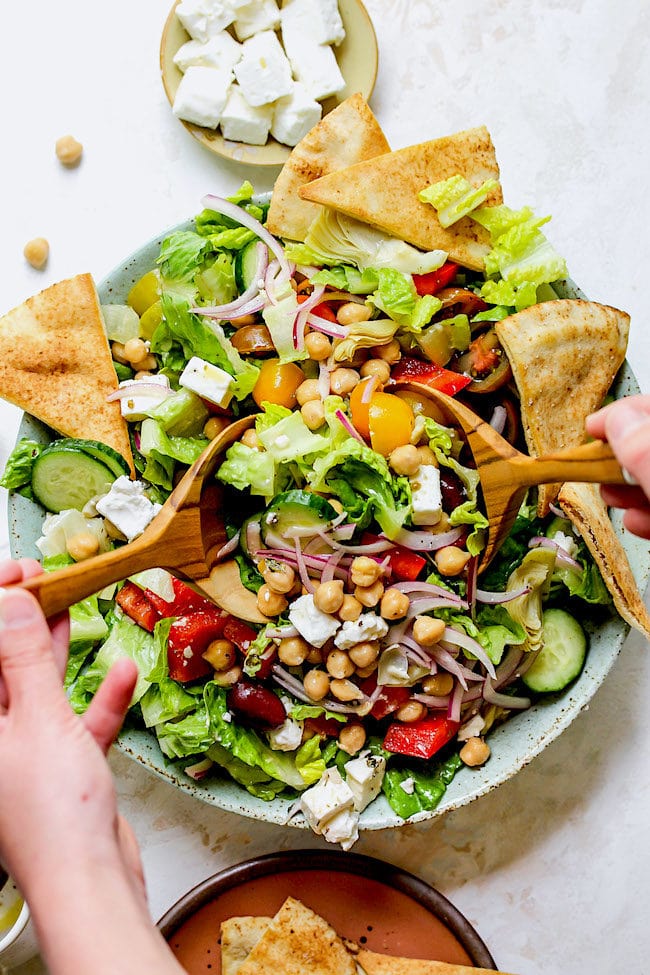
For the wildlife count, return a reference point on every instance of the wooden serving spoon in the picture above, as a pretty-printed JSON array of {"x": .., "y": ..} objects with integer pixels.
[
  {"x": 184, "y": 538},
  {"x": 506, "y": 473}
]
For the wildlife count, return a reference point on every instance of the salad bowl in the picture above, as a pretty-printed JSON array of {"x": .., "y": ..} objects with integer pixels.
[{"x": 514, "y": 743}]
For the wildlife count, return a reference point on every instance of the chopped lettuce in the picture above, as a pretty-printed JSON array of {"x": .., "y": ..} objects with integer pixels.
[
  {"x": 216, "y": 282},
  {"x": 455, "y": 197},
  {"x": 280, "y": 318},
  {"x": 348, "y": 278},
  {"x": 246, "y": 467},
  {"x": 290, "y": 438},
  {"x": 181, "y": 414},
  {"x": 181, "y": 255},
  {"x": 18, "y": 469},
  {"x": 86, "y": 622},
  {"x": 428, "y": 787},
  {"x": 396, "y": 297},
  {"x": 125, "y": 639},
  {"x": 162, "y": 452}
]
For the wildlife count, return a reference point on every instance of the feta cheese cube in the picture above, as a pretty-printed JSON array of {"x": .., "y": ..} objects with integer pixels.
[
  {"x": 318, "y": 20},
  {"x": 207, "y": 381},
  {"x": 313, "y": 625},
  {"x": 205, "y": 18},
  {"x": 264, "y": 72},
  {"x": 314, "y": 65},
  {"x": 369, "y": 626},
  {"x": 221, "y": 51},
  {"x": 408, "y": 785},
  {"x": 294, "y": 115},
  {"x": 287, "y": 737},
  {"x": 364, "y": 775},
  {"x": 343, "y": 829},
  {"x": 242, "y": 122},
  {"x": 426, "y": 495},
  {"x": 324, "y": 800},
  {"x": 142, "y": 396},
  {"x": 201, "y": 95},
  {"x": 127, "y": 507},
  {"x": 256, "y": 16}
]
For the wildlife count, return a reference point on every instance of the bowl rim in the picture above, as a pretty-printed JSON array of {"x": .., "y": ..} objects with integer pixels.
[
  {"x": 11, "y": 936},
  {"x": 361, "y": 865}
]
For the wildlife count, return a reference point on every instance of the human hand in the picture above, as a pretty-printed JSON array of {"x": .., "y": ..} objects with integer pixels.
[{"x": 625, "y": 424}]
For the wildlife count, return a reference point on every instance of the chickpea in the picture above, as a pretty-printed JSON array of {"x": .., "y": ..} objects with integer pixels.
[
  {"x": 328, "y": 597},
  {"x": 317, "y": 684},
  {"x": 149, "y": 362},
  {"x": 313, "y": 413},
  {"x": 250, "y": 439},
  {"x": 226, "y": 678},
  {"x": 365, "y": 653},
  {"x": 352, "y": 738},
  {"x": 391, "y": 352},
  {"x": 314, "y": 656},
  {"x": 293, "y": 651},
  {"x": 394, "y": 604},
  {"x": 269, "y": 602},
  {"x": 343, "y": 381},
  {"x": 278, "y": 576},
  {"x": 68, "y": 150},
  {"x": 135, "y": 350},
  {"x": 221, "y": 654},
  {"x": 82, "y": 546},
  {"x": 364, "y": 571},
  {"x": 143, "y": 374},
  {"x": 427, "y": 456},
  {"x": 364, "y": 672},
  {"x": 36, "y": 252},
  {"x": 451, "y": 560},
  {"x": 318, "y": 346},
  {"x": 353, "y": 312},
  {"x": 378, "y": 368},
  {"x": 243, "y": 320},
  {"x": 438, "y": 684},
  {"x": 411, "y": 711},
  {"x": 215, "y": 426},
  {"x": 351, "y": 608},
  {"x": 428, "y": 630},
  {"x": 474, "y": 752},
  {"x": 405, "y": 460},
  {"x": 113, "y": 532},
  {"x": 370, "y": 595},
  {"x": 307, "y": 391},
  {"x": 339, "y": 664},
  {"x": 345, "y": 690}
]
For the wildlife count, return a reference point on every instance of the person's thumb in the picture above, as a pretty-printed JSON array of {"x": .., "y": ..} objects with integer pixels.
[
  {"x": 627, "y": 428},
  {"x": 26, "y": 660}
]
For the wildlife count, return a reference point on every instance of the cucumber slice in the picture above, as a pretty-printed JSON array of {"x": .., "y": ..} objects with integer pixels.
[
  {"x": 292, "y": 512},
  {"x": 246, "y": 265},
  {"x": 100, "y": 451},
  {"x": 66, "y": 477},
  {"x": 562, "y": 656}
]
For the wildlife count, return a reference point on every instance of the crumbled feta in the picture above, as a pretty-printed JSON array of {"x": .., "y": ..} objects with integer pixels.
[
  {"x": 127, "y": 507},
  {"x": 314, "y": 65},
  {"x": 408, "y": 785},
  {"x": 256, "y": 16},
  {"x": 201, "y": 95},
  {"x": 318, "y": 20},
  {"x": 221, "y": 51},
  {"x": 287, "y": 737},
  {"x": 143, "y": 398},
  {"x": 203, "y": 19},
  {"x": 343, "y": 829},
  {"x": 241, "y": 122},
  {"x": 471, "y": 728},
  {"x": 369, "y": 626},
  {"x": 294, "y": 115},
  {"x": 566, "y": 543},
  {"x": 313, "y": 625},
  {"x": 227, "y": 716},
  {"x": 207, "y": 381},
  {"x": 264, "y": 72},
  {"x": 364, "y": 775},
  {"x": 426, "y": 495},
  {"x": 323, "y": 801}
]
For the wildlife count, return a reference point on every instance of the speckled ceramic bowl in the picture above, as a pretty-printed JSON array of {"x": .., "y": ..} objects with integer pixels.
[{"x": 513, "y": 744}]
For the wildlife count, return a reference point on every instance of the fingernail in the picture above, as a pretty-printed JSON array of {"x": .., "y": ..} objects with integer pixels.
[
  {"x": 16, "y": 609},
  {"x": 623, "y": 420}
]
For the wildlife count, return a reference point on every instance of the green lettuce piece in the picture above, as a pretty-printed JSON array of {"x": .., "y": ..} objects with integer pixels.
[
  {"x": 468, "y": 514},
  {"x": 496, "y": 630},
  {"x": 512, "y": 550},
  {"x": 535, "y": 572},
  {"x": 291, "y": 438},
  {"x": 181, "y": 414},
  {"x": 502, "y": 293},
  {"x": 181, "y": 255},
  {"x": 279, "y": 319},
  {"x": 396, "y": 297},
  {"x": 300, "y": 712},
  {"x": 166, "y": 701},
  {"x": 428, "y": 787},
  {"x": 163, "y": 452},
  {"x": 216, "y": 282},
  {"x": 253, "y": 779},
  {"x": 125, "y": 639},
  {"x": 494, "y": 314},
  {"x": 191, "y": 735},
  {"x": 78, "y": 653},
  {"x": 256, "y": 648},
  {"x": 455, "y": 197},
  {"x": 17, "y": 474},
  {"x": 309, "y": 760},
  {"x": 86, "y": 622},
  {"x": 345, "y": 277},
  {"x": 246, "y": 467}
]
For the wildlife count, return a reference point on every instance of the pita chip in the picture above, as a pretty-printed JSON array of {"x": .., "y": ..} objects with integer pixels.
[
  {"x": 297, "y": 942},
  {"x": 564, "y": 356},
  {"x": 383, "y": 192},
  {"x": 587, "y": 511},
  {"x": 239, "y": 935},
  {"x": 375, "y": 964},
  {"x": 348, "y": 134},
  {"x": 55, "y": 363}
]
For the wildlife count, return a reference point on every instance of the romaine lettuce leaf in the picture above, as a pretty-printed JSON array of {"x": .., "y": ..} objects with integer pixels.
[
  {"x": 18, "y": 469},
  {"x": 428, "y": 787},
  {"x": 455, "y": 197},
  {"x": 125, "y": 639}
]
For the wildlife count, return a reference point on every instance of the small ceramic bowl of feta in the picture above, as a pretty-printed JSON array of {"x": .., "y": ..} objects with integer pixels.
[
  {"x": 17, "y": 938},
  {"x": 249, "y": 78}
]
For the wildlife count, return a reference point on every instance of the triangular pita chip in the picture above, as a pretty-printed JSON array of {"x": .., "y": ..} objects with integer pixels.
[
  {"x": 297, "y": 942},
  {"x": 239, "y": 935},
  {"x": 55, "y": 363},
  {"x": 564, "y": 356},
  {"x": 375, "y": 964},
  {"x": 587, "y": 511},
  {"x": 383, "y": 192},
  {"x": 347, "y": 135}
]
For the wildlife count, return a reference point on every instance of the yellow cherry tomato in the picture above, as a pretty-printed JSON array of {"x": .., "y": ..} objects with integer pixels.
[
  {"x": 150, "y": 320},
  {"x": 391, "y": 422},
  {"x": 144, "y": 292},
  {"x": 360, "y": 404},
  {"x": 277, "y": 383}
]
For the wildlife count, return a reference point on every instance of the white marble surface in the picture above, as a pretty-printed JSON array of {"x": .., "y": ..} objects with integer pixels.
[{"x": 553, "y": 867}]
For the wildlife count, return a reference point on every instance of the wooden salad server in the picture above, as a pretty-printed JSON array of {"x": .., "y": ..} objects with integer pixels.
[
  {"x": 506, "y": 473},
  {"x": 184, "y": 538}
]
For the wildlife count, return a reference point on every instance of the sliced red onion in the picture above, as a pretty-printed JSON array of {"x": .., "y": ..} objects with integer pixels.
[
  {"x": 239, "y": 215},
  {"x": 323, "y": 380},
  {"x": 541, "y": 541},
  {"x": 199, "y": 770},
  {"x": 508, "y": 666},
  {"x": 320, "y": 324},
  {"x": 416, "y": 656},
  {"x": 437, "y": 703},
  {"x": 503, "y": 700},
  {"x": 428, "y": 603},
  {"x": 427, "y": 589},
  {"x": 253, "y": 536},
  {"x": 280, "y": 632},
  {"x": 448, "y": 662},
  {"x": 229, "y": 547},
  {"x": 498, "y": 419},
  {"x": 255, "y": 304},
  {"x": 460, "y": 639},
  {"x": 557, "y": 511},
  {"x": 224, "y": 311},
  {"x": 329, "y": 570},
  {"x": 302, "y": 568},
  {"x": 426, "y": 541},
  {"x": 497, "y": 598},
  {"x": 137, "y": 387},
  {"x": 472, "y": 575},
  {"x": 343, "y": 420},
  {"x": 370, "y": 549},
  {"x": 369, "y": 388},
  {"x": 455, "y": 702},
  {"x": 295, "y": 687},
  {"x": 343, "y": 532}
]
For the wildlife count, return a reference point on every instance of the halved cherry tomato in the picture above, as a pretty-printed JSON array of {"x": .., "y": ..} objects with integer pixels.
[
  {"x": 390, "y": 422},
  {"x": 429, "y": 284},
  {"x": 486, "y": 363},
  {"x": 360, "y": 409},
  {"x": 429, "y": 374},
  {"x": 277, "y": 383}
]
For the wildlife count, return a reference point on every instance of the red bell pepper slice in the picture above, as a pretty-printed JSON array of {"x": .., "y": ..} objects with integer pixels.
[
  {"x": 239, "y": 633},
  {"x": 135, "y": 603},
  {"x": 405, "y": 565},
  {"x": 189, "y": 638},
  {"x": 185, "y": 601},
  {"x": 434, "y": 281},
  {"x": 323, "y": 310},
  {"x": 421, "y": 739},
  {"x": 429, "y": 374},
  {"x": 389, "y": 700}
]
